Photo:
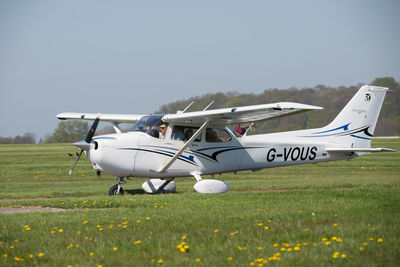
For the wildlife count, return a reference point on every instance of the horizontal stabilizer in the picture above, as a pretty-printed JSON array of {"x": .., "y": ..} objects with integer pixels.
[{"x": 355, "y": 150}]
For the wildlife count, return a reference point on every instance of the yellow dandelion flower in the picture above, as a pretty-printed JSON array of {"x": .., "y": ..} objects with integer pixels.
[
  {"x": 184, "y": 237},
  {"x": 148, "y": 218},
  {"x": 216, "y": 231},
  {"x": 197, "y": 260},
  {"x": 334, "y": 237},
  {"x": 137, "y": 242},
  {"x": 91, "y": 254},
  {"x": 362, "y": 248},
  {"x": 343, "y": 256},
  {"x": 30, "y": 256},
  {"x": 85, "y": 222},
  {"x": 276, "y": 245},
  {"x": 160, "y": 261},
  {"x": 61, "y": 230},
  {"x": 259, "y": 248},
  {"x": 101, "y": 229},
  {"x": 18, "y": 259},
  {"x": 339, "y": 240},
  {"x": 70, "y": 246},
  {"x": 125, "y": 226},
  {"x": 296, "y": 248},
  {"x": 115, "y": 248},
  {"x": 365, "y": 243},
  {"x": 266, "y": 227},
  {"x": 5, "y": 256},
  {"x": 371, "y": 238},
  {"x": 327, "y": 243},
  {"x": 230, "y": 258},
  {"x": 380, "y": 240},
  {"x": 41, "y": 254}
]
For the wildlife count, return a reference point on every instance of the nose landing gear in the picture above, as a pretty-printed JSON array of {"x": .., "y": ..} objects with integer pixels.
[{"x": 117, "y": 189}]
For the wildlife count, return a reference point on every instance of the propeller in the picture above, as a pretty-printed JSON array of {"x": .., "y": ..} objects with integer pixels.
[{"x": 85, "y": 144}]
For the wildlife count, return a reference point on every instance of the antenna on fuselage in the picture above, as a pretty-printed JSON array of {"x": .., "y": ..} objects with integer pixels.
[
  {"x": 209, "y": 105},
  {"x": 187, "y": 107}
]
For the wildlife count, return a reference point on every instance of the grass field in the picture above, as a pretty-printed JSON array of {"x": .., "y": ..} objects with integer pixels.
[{"x": 337, "y": 213}]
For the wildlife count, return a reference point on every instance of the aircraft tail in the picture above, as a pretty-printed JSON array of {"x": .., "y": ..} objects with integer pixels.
[{"x": 355, "y": 124}]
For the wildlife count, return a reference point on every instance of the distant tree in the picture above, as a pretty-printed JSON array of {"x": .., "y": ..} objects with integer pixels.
[
  {"x": 68, "y": 132},
  {"x": 389, "y": 82},
  {"x": 27, "y": 138}
]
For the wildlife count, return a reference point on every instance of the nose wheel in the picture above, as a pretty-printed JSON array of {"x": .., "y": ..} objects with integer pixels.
[{"x": 117, "y": 189}]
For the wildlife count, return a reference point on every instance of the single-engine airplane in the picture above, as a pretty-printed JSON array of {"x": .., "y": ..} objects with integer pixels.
[{"x": 166, "y": 146}]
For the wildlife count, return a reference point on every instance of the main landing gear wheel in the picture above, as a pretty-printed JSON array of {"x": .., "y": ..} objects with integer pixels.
[{"x": 114, "y": 190}]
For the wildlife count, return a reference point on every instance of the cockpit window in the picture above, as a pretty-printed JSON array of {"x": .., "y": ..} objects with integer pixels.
[
  {"x": 146, "y": 123},
  {"x": 217, "y": 135}
]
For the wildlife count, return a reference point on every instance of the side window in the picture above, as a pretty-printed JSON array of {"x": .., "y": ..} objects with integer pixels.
[
  {"x": 184, "y": 133},
  {"x": 217, "y": 135}
]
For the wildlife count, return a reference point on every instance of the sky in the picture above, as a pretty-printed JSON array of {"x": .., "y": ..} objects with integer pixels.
[{"x": 134, "y": 56}]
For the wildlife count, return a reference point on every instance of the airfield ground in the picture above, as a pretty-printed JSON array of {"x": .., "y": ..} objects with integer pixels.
[{"x": 337, "y": 213}]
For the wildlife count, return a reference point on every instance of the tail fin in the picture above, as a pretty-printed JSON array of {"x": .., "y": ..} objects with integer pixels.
[{"x": 355, "y": 124}]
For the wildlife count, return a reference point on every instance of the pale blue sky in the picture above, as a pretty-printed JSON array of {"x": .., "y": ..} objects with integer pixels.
[{"x": 134, "y": 56}]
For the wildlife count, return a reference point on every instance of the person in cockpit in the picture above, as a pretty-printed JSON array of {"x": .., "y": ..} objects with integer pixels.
[
  {"x": 177, "y": 133},
  {"x": 163, "y": 130}
]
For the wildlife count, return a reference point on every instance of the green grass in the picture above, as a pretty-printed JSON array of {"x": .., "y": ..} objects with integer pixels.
[{"x": 337, "y": 213}]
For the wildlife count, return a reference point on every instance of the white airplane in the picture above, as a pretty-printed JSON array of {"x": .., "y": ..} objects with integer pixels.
[{"x": 198, "y": 143}]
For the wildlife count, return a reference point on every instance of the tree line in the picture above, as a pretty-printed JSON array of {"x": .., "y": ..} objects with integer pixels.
[{"x": 330, "y": 98}]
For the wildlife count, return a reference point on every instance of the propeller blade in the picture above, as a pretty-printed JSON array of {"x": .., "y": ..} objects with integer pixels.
[
  {"x": 76, "y": 161},
  {"x": 85, "y": 145},
  {"x": 92, "y": 129}
]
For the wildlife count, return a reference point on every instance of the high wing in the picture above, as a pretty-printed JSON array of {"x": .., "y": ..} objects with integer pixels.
[
  {"x": 115, "y": 118},
  {"x": 226, "y": 116}
]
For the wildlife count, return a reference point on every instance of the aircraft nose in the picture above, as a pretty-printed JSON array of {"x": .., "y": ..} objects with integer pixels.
[{"x": 95, "y": 154}]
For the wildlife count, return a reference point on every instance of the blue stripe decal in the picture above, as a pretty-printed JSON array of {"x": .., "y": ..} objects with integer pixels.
[
  {"x": 190, "y": 158},
  {"x": 344, "y": 127},
  {"x": 216, "y": 147},
  {"x": 356, "y": 136}
]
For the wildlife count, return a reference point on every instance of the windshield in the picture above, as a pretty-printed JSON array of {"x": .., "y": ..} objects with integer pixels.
[{"x": 146, "y": 122}]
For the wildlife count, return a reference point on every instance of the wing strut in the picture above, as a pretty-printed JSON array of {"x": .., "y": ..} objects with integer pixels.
[{"x": 180, "y": 151}]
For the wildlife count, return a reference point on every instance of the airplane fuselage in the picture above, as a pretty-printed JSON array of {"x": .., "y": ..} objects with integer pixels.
[{"x": 137, "y": 154}]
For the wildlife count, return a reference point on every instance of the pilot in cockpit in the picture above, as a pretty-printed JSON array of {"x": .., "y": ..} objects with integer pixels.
[{"x": 163, "y": 130}]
